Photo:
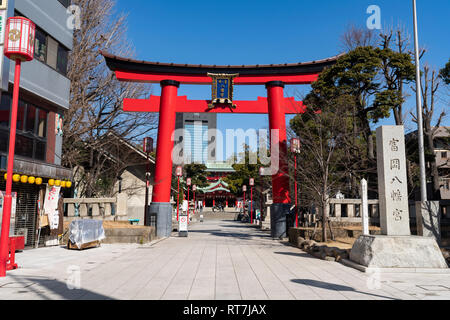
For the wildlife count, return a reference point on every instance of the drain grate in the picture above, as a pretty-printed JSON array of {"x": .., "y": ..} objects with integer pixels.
[{"x": 434, "y": 288}]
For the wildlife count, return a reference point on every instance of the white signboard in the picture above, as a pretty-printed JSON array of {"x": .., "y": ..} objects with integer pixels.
[
  {"x": 185, "y": 205},
  {"x": 13, "y": 210},
  {"x": 51, "y": 206},
  {"x": 183, "y": 224}
]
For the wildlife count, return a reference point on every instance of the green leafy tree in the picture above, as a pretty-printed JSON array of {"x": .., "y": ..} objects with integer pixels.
[
  {"x": 327, "y": 152},
  {"x": 244, "y": 171},
  {"x": 359, "y": 75},
  {"x": 445, "y": 73}
]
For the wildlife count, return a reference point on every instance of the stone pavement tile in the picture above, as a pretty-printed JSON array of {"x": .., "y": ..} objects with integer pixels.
[
  {"x": 298, "y": 290},
  {"x": 53, "y": 279},
  {"x": 366, "y": 284},
  {"x": 141, "y": 274},
  {"x": 204, "y": 285},
  {"x": 297, "y": 263},
  {"x": 148, "y": 261},
  {"x": 181, "y": 284},
  {"x": 274, "y": 288},
  {"x": 227, "y": 286},
  {"x": 155, "y": 289},
  {"x": 107, "y": 277},
  {"x": 354, "y": 288},
  {"x": 249, "y": 285}
]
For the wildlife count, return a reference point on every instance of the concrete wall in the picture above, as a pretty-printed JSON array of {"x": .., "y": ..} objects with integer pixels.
[{"x": 134, "y": 186}]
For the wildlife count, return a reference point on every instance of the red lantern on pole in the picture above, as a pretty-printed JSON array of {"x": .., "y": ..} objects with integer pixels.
[
  {"x": 188, "y": 183},
  {"x": 295, "y": 149},
  {"x": 251, "y": 183},
  {"x": 194, "y": 188},
  {"x": 148, "y": 147},
  {"x": 179, "y": 173},
  {"x": 19, "y": 46}
]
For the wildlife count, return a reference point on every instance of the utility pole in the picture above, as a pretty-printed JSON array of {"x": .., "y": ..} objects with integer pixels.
[{"x": 423, "y": 179}]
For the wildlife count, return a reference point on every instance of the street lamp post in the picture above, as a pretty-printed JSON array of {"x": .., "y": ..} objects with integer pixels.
[
  {"x": 148, "y": 147},
  {"x": 19, "y": 46},
  {"x": 251, "y": 183},
  {"x": 179, "y": 172},
  {"x": 295, "y": 149},
  {"x": 244, "y": 188},
  {"x": 194, "y": 188},
  {"x": 423, "y": 179},
  {"x": 188, "y": 183}
]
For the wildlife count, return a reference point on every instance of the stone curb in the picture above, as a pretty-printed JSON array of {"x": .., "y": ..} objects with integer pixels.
[{"x": 365, "y": 269}]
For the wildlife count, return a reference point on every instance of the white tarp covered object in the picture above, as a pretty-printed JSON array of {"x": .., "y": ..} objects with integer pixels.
[{"x": 85, "y": 231}]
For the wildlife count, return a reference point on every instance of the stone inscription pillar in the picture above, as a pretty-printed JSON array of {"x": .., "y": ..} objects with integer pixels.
[{"x": 392, "y": 181}]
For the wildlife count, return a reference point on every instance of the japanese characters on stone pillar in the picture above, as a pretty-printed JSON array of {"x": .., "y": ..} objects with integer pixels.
[{"x": 392, "y": 181}]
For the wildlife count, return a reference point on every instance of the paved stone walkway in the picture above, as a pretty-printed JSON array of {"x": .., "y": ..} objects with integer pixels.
[{"x": 221, "y": 259}]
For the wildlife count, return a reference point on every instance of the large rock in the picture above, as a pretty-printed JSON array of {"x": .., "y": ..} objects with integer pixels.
[{"x": 397, "y": 252}]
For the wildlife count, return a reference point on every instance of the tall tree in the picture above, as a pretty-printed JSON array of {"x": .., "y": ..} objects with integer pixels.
[
  {"x": 430, "y": 86},
  {"x": 95, "y": 109},
  {"x": 445, "y": 73},
  {"x": 357, "y": 74},
  {"x": 327, "y": 149}
]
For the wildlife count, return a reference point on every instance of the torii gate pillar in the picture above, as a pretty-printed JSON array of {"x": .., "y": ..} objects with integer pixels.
[
  {"x": 161, "y": 205},
  {"x": 280, "y": 180}
]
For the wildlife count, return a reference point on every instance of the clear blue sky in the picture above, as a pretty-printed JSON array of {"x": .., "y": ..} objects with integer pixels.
[{"x": 260, "y": 32}]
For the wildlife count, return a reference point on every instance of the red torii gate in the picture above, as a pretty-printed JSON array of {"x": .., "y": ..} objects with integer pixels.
[{"x": 171, "y": 75}]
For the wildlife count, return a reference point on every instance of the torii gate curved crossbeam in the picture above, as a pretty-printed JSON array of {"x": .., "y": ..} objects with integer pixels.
[{"x": 170, "y": 76}]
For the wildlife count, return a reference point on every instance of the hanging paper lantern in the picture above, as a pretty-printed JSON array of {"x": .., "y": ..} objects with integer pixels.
[
  {"x": 31, "y": 180},
  {"x": 57, "y": 183},
  {"x": 19, "y": 39},
  {"x": 51, "y": 182},
  {"x": 68, "y": 184},
  {"x": 38, "y": 181},
  {"x": 16, "y": 177},
  {"x": 5, "y": 176},
  {"x": 63, "y": 184},
  {"x": 24, "y": 179}
]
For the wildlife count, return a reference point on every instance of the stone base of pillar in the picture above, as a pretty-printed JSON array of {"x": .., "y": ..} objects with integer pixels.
[
  {"x": 397, "y": 252},
  {"x": 163, "y": 213},
  {"x": 278, "y": 212},
  {"x": 428, "y": 219}
]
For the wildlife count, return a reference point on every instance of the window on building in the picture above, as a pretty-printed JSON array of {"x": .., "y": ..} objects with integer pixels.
[
  {"x": 5, "y": 104},
  {"x": 4, "y": 137},
  {"x": 31, "y": 130},
  {"x": 42, "y": 123},
  {"x": 31, "y": 118},
  {"x": 62, "y": 60},
  {"x": 40, "y": 47},
  {"x": 20, "y": 115},
  {"x": 52, "y": 52},
  {"x": 444, "y": 155},
  {"x": 49, "y": 50}
]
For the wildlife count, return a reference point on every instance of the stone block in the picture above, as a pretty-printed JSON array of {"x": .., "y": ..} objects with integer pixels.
[
  {"x": 397, "y": 252},
  {"x": 428, "y": 219},
  {"x": 392, "y": 181}
]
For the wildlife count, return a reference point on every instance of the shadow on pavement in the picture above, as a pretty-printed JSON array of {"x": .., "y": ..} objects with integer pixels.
[
  {"x": 42, "y": 286},
  {"x": 334, "y": 287}
]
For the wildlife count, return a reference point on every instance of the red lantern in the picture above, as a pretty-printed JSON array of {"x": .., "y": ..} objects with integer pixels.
[
  {"x": 148, "y": 145},
  {"x": 295, "y": 145},
  {"x": 19, "y": 43}
]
